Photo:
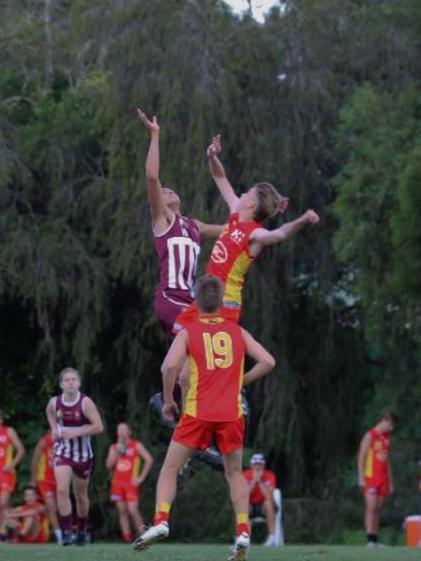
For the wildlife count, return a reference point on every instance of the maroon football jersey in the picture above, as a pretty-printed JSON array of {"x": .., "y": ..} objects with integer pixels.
[
  {"x": 77, "y": 449},
  {"x": 178, "y": 250}
]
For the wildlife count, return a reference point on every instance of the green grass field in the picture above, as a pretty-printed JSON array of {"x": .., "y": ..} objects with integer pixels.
[{"x": 168, "y": 552}]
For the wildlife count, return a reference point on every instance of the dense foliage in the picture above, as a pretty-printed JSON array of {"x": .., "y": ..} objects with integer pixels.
[{"x": 324, "y": 101}]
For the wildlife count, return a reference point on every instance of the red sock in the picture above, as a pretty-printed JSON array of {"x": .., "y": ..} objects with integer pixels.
[
  {"x": 242, "y": 524},
  {"x": 66, "y": 522},
  {"x": 127, "y": 537},
  {"x": 240, "y": 528},
  {"x": 82, "y": 523},
  {"x": 160, "y": 516}
]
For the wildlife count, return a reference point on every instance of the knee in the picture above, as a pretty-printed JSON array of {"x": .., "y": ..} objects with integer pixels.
[
  {"x": 121, "y": 508},
  {"x": 169, "y": 467},
  {"x": 232, "y": 472},
  {"x": 63, "y": 493},
  {"x": 80, "y": 496},
  {"x": 133, "y": 509}
]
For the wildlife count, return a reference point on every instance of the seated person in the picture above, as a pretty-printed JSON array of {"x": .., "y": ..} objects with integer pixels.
[
  {"x": 261, "y": 482},
  {"x": 27, "y": 523}
]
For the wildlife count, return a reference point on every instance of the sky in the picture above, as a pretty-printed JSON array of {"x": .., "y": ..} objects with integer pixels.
[{"x": 259, "y": 7}]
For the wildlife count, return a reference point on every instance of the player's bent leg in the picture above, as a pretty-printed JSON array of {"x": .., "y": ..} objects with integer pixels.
[
  {"x": 268, "y": 509},
  {"x": 30, "y": 528},
  {"x": 177, "y": 456},
  {"x": 80, "y": 490}
]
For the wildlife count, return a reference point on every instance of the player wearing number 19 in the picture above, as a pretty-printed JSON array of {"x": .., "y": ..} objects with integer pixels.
[{"x": 215, "y": 349}]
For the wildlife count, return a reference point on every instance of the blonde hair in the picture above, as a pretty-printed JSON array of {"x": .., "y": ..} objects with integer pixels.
[
  {"x": 65, "y": 371},
  {"x": 268, "y": 200}
]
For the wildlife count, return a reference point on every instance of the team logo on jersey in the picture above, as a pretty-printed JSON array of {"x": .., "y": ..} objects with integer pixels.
[
  {"x": 3, "y": 439},
  {"x": 219, "y": 253},
  {"x": 124, "y": 465},
  {"x": 237, "y": 236},
  {"x": 77, "y": 415}
]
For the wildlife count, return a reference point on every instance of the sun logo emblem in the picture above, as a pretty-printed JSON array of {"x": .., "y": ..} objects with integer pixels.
[{"x": 219, "y": 253}]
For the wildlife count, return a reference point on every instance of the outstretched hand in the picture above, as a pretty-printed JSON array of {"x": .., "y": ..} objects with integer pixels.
[
  {"x": 153, "y": 125},
  {"x": 283, "y": 204},
  {"x": 214, "y": 147},
  {"x": 311, "y": 217}
]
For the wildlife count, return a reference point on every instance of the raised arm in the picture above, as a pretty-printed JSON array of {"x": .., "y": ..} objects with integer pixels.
[
  {"x": 265, "y": 362},
  {"x": 112, "y": 457},
  {"x": 262, "y": 237},
  {"x": 19, "y": 450},
  {"x": 156, "y": 204},
  {"x": 218, "y": 174},
  {"x": 171, "y": 366}
]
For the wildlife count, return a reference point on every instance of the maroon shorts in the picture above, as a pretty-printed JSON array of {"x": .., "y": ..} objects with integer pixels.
[
  {"x": 229, "y": 435},
  {"x": 82, "y": 470},
  {"x": 167, "y": 309}
]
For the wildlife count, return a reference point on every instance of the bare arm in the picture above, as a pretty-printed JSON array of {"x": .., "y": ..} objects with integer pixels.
[
  {"x": 261, "y": 237},
  {"x": 19, "y": 512},
  {"x": 19, "y": 450},
  {"x": 51, "y": 418},
  {"x": 265, "y": 362},
  {"x": 362, "y": 452},
  {"x": 171, "y": 366},
  {"x": 147, "y": 463},
  {"x": 95, "y": 425},
  {"x": 112, "y": 457},
  {"x": 35, "y": 459},
  {"x": 210, "y": 231},
  {"x": 156, "y": 204},
  {"x": 50, "y": 411},
  {"x": 218, "y": 174},
  {"x": 267, "y": 490}
]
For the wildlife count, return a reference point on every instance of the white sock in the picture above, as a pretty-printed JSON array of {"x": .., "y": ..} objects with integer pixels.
[{"x": 59, "y": 535}]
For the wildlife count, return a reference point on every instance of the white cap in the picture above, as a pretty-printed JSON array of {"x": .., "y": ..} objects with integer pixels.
[{"x": 257, "y": 459}]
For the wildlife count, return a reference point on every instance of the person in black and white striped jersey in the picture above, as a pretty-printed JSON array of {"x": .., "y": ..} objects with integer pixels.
[{"x": 73, "y": 419}]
